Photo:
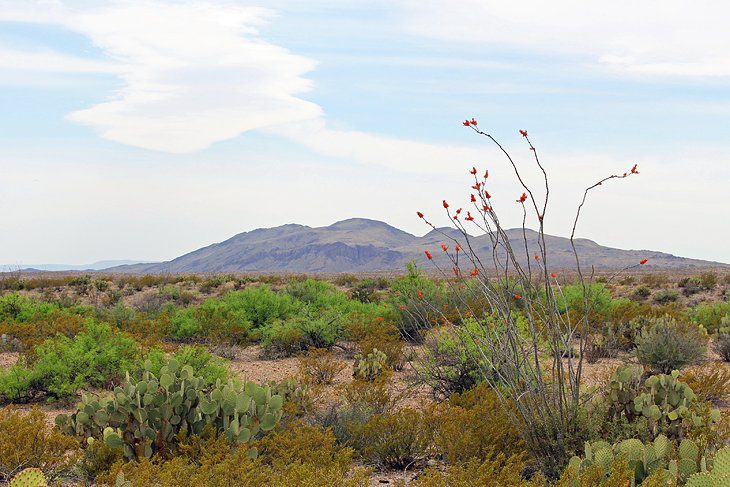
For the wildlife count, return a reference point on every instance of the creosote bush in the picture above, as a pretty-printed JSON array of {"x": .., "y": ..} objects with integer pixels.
[
  {"x": 319, "y": 366},
  {"x": 395, "y": 439},
  {"x": 666, "y": 344}
]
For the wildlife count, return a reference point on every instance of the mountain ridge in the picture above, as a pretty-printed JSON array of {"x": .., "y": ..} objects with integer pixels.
[{"x": 365, "y": 245}]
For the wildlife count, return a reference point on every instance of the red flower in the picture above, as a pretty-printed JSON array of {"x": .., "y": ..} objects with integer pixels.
[
  {"x": 444, "y": 247},
  {"x": 397, "y": 293},
  {"x": 643, "y": 261},
  {"x": 523, "y": 133},
  {"x": 402, "y": 307},
  {"x": 517, "y": 296},
  {"x": 420, "y": 215},
  {"x": 486, "y": 174},
  {"x": 428, "y": 255},
  {"x": 552, "y": 274},
  {"x": 537, "y": 257},
  {"x": 487, "y": 208},
  {"x": 446, "y": 205},
  {"x": 633, "y": 169},
  {"x": 522, "y": 198},
  {"x": 473, "y": 121},
  {"x": 473, "y": 199},
  {"x": 474, "y": 272},
  {"x": 420, "y": 294},
  {"x": 457, "y": 248},
  {"x": 458, "y": 211},
  {"x": 486, "y": 194},
  {"x": 477, "y": 186},
  {"x": 469, "y": 217},
  {"x": 380, "y": 318},
  {"x": 466, "y": 123},
  {"x": 473, "y": 170}
]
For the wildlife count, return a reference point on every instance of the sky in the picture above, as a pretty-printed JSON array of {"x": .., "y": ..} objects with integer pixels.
[{"x": 147, "y": 129}]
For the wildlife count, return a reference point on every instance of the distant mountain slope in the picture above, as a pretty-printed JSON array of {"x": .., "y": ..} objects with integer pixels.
[
  {"x": 102, "y": 264},
  {"x": 361, "y": 245}
]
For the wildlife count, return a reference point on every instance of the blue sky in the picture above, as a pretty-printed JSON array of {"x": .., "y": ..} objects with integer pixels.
[{"x": 146, "y": 129}]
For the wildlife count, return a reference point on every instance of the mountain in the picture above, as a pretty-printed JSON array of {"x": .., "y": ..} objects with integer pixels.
[
  {"x": 95, "y": 266},
  {"x": 362, "y": 245}
]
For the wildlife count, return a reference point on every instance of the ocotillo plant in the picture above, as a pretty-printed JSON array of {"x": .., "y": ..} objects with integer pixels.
[{"x": 510, "y": 300}]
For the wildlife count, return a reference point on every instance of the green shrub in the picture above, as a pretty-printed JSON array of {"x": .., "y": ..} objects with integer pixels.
[
  {"x": 296, "y": 334},
  {"x": 666, "y": 344},
  {"x": 63, "y": 365},
  {"x": 17, "y": 308},
  {"x": 572, "y": 298},
  {"x": 710, "y": 316},
  {"x": 205, "y": 366},
  {"x": 666, "y": 296},
  {"x": 641, "y": 292}
]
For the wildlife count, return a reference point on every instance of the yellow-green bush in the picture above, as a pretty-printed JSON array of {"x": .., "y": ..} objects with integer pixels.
[
  {"x": 473, "y": 425},
  {"x": 501, "y": 471},
  {"x": 395, "y": 439},
  {"x": 27, "y": 441}
]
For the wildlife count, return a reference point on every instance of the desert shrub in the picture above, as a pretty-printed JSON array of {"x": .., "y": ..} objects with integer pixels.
[
  {"x": 27, "y": 334},
  {"x": 708, "y": 280},
  {"x": 299, "y": 333},
  {"x": 98, "y": 459},
  {"x": 406, "y": 294},
  {"x": 666, "y": 296},
  {"x": 300, "y": 455},
  {"x": 710, "y": 316},
  {"x": 721, "y": 345},
  {"x": 303, "y": 443},
  {"x": 666, "y": 344},
  {"x": 371, "y": 366},
  {"x": 359, "y": 401},
  {"x": 319, "y": 366},
  {"x": 26, "y": 441},
  {"x": 571, "y": 298},
  {"x": 394, "y": 439},
  {"x": 473, "y": 425},
  {"x": 364, "y": 291},
  {"x": 450, "y": 361},
  {"x": 709, "y": 383},
  {"x": 370, "y": 334},
  {"x": 63, "y": 365},
  {"x": 502, "y": 471},
  {"x": 204, "y": 364},
  {"x": 655, "y": 280},
  {"x": 17, "y": 308},
  {"x": 260, "y": 305},
  {"x": 641, "y": 292}
]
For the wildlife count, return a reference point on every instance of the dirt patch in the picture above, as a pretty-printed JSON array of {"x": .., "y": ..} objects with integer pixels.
[{"x": 8, "y": 359}]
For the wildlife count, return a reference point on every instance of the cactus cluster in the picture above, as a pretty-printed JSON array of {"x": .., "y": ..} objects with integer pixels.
[
  {"x": 718, "y": 475},
  {"x": 686, "y": 463},
  {"x": 663, "y": 400},
  {"x": 369, "y": 367},
  {"x": 643, "y": 459},
  {"x": 30, "y": 477},
  {"x": 144, "y": 416}
]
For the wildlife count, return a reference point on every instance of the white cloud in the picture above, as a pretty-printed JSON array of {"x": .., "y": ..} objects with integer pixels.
[
  {"x": 193, "y": 73},
  {"x": 667, "y": 37}
]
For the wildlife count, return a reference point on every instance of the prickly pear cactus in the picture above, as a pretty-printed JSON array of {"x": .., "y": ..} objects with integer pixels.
[
  {"x": 30, "y": 477},
  {"x": 370, "y": 366},
  {"x": 643, "y": 459},
  {"x": 718, "y": 476},
  {"x": 144, "y": 416}
]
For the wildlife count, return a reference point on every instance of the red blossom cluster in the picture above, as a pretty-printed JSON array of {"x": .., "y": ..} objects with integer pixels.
[
  {"x": 470, "y": 122},
  {"x": 522, "y": 198},
  {"x": 523, "y": 133}
]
